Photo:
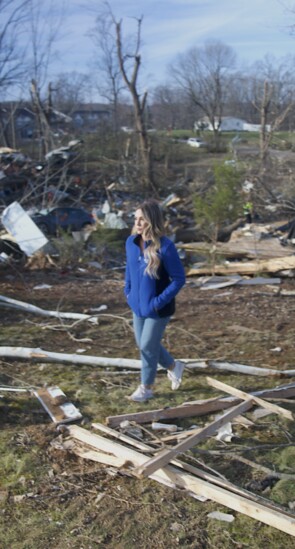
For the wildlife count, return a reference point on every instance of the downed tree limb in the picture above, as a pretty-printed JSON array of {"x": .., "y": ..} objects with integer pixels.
[
  {"x": 28, "y": 308},
  {"x": 237, "y": 368},
  {"x": 197, "y": 408},
  {"x": 194, "y": 486},
  {"x": 248, "y": 267},
  {"x": 163, "y": 457},
  {"x": 47, "y": 356},
  {"x": 273, "y": 408}
]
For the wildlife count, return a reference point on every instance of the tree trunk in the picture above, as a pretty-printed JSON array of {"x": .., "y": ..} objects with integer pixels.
[
  {"x": 139, "y": 105},
  {"x": 42, "y": 120}
]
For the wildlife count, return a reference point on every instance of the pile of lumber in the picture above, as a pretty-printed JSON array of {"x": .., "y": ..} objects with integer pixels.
[
  {"x": 250, "y": 250},
  {"x": 142, "y": 458}
]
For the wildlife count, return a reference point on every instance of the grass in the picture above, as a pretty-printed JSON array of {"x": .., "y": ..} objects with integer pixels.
[
  {"x": 71, "y": 503},
  {"x": 62, "y": 511}
]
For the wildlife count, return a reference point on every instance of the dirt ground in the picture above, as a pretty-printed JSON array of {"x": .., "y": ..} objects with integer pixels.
[{"x": 65, "y": 501}]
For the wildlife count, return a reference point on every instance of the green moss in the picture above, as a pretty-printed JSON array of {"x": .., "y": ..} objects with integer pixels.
[
  {"x": 287, "y": 459},
  {"x": 283, "y": 492}
]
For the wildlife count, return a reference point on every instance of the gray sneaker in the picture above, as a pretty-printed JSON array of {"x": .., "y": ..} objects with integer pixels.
[
  {"x": 175, "y": 375},
  {"x": 141, "y": 394}
]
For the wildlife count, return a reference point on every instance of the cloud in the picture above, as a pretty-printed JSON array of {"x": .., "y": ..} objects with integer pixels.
[{"x": 170, "y": 27}]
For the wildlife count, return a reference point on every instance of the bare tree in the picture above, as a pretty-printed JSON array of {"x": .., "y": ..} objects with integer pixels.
[
  {"x": 272, "y": 96},
  {"x": 171, "y": 108},
  {"x": 44, "y": 31},
  {"x": 128, "y": 61},
  {"x": 106, "y": 63},
  {"x": 130, "y": 75},
  {"x": 69, "y": 90},
  {"x": 42, "y": 112},
  {"x": 204, "y": 73},
  {"x": 13, "y": 15}
]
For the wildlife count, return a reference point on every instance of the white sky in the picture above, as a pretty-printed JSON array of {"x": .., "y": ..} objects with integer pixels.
[{"x": 253, "y": 28}]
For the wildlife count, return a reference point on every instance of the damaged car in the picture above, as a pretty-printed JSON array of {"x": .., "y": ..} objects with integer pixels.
[{"x": 67, "y": 219}]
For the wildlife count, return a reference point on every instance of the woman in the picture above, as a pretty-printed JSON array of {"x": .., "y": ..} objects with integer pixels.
[{"x": 154, "y": 275}]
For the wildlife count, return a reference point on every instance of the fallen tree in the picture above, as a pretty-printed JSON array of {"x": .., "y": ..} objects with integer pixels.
[
  {"x": 28, "y": 308},
  {"x": 40, "y": 355}
]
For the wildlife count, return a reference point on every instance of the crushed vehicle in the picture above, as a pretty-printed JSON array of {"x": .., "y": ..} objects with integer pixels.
[
  {"x": 63, "y": 219},
  {"x": 9, "y": 248}
]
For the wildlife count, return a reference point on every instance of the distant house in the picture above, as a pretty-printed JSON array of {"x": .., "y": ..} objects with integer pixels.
[
  {"x": 89, "y": 116},
  {"x": 18, "y": 121},
  {"x": 24, "y": 120},
  {"x": 228, "y": 124}
]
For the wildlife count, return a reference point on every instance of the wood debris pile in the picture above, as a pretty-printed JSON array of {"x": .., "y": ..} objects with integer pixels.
[
  {"x": 251, "y": 250},
  {"x": 157, "y": 457}
]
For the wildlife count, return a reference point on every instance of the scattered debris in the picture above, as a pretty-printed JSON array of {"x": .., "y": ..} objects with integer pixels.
[
  {"x": 211, "y": 486},
  {"x": 198, "y": 408},
  {"x": 56, "y": 404},
  {"x": 23, "y": 229},
  {"x": 225, "y": 433},
  {"x": 164, "y": 456},
  {"x": 275, "y": 265},
  {"x": 217, "y": 515},
  {"x": 178, "y": 475},
  {"x": 245, "y": 396},
  {"x": 53, "y": 400},
  {"x": 216, "y": 282},
  {"x": 157, "y": 426}
]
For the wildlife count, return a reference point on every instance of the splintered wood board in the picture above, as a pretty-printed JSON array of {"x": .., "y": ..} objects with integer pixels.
[{"x": 56, "y": 404}]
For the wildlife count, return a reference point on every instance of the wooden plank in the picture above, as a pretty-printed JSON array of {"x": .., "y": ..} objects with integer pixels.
[
  {"x": 183, "y": 465},
  {"x": 248, "y": 267},
  {"x": 273, "y": 408},
  {"x": 205, "y": 475},
  {"x": 173, "y": 477},
  {"x": 213, "y": 405},
  {"x": 56, "y": 404},
  {"x": 163, "y": 457},
  {"x": 277, "y": 393},
  {"x": 250, "y": 246},
  {"x": 127, "y": 455},
  {"x": 100, "y": 457},
  {"x": 196, "y": 408}
]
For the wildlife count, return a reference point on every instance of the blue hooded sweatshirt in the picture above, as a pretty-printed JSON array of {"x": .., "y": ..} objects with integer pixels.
[{"x": 150, "y": 297}]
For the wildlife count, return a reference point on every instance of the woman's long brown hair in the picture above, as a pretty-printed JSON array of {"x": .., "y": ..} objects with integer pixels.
[{"x": 152, "y": 214}]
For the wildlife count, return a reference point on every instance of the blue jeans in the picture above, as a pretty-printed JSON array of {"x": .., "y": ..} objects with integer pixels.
[{"x": 148, "y": 334}]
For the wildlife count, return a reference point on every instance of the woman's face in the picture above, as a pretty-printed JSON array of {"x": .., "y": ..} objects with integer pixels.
[{"x": 140, "y": 222}]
